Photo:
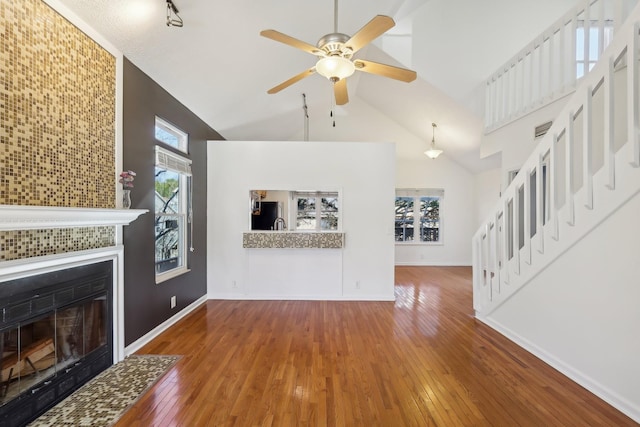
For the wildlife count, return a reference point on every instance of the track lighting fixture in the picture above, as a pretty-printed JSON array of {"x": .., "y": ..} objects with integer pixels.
[{"x": 173, "y": 19}]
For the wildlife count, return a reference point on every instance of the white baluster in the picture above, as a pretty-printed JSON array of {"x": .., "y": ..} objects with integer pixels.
[
  {"x": 552, "y": 80},
  {"x": 495, "y": 281},
  {"x": 562, "y": 66},
  {"x": 504, "y": 258},
  {"x": 515, "y": 205},
  {"x": 632, "y": 96},
  {"x": 541, "y": 92},
  {"x": 553, "y": 182},
  {"x": 498, "y": 252},
  {"x": 540, "y": 203},
  {"x": 569, "y": 140},
  {"x": 587, "y": 148},
  {"x": 600, "y": 28},
  {"x": 574, "y": 48},
  {"x": 587, "y": 27},
  {"x": 609, "y": 149},
  {"x": 527, "y": 215}
]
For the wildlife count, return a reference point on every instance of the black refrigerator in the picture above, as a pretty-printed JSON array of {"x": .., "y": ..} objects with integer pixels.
[{"x": 266, "y": 218}]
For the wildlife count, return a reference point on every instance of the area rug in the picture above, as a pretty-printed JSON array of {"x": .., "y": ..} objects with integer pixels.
[{"x": 103, "y": 400}]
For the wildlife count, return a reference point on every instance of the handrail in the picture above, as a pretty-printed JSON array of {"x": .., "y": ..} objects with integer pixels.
[
  {"x": 582, "y": 153},
  {"x": 548, "y": 68}
]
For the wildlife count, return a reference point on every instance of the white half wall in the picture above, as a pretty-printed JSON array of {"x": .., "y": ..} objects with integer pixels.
[
  {"x": 457, "y": 211},
  {"x": 581, "y": 313},
  {"x": 364, "y": 175}
]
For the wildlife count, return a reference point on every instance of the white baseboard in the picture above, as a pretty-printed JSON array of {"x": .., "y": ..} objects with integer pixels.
[
  {"x": 242, "y": 297},
  {"x": 612, "y": 398},
  {"x": 146, "y": 338},
  {"x": 431, "y": 264}
]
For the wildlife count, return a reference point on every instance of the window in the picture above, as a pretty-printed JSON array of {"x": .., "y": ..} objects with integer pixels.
[
  {"x": 594, "y": 48},
  {"x": 317, "y": 211},
  {"x": 418, "y": 209},
  {"x": 172, "y": 213},
  {"x": 169, "y": 134}
]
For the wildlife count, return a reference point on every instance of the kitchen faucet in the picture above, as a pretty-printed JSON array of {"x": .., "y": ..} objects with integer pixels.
[{"x": 279, "y": 224}]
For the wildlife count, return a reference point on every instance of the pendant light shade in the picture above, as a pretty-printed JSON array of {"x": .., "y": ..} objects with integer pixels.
[{"x": 433, "y": 152}]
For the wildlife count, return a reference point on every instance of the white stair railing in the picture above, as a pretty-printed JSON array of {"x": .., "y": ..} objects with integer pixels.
[
  {"x": 548, "y": 68},
  {"x": 584, "y": 168}
]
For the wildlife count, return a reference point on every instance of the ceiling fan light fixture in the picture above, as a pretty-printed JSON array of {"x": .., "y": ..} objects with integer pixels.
[
  {"x": 433, "y": 152},
  {"x": 335, "y": 68}
]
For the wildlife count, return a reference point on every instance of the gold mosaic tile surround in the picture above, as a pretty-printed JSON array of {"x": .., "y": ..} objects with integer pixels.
[
  {"x": 283, "y": 240},
  {"x": 21, "y": 244},
  {"x": 57, "y": 126},
  {"x": 57, "y": 111}
]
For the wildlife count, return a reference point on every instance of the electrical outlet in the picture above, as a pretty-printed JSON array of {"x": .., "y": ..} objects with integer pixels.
[
  {"x": 173, "y": 301},
  {"x": 357, "y": 284},
  {"x": 234, "y": 285}
]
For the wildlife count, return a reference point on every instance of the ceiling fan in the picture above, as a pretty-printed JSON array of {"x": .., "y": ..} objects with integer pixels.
[{"x": 335, "y": 51}]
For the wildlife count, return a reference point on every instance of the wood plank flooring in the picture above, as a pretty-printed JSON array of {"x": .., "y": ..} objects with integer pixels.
[{"x": 422, "y": 360}]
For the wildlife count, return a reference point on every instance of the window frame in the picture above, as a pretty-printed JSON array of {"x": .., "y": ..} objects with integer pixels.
[
  {"x": 417, "y": 194},
  {"x": 318, "y": 195},
  {"x": 181, "y": 165},
  {"x": 593, "y": 29},
  {"x": 166, "y": 126}
]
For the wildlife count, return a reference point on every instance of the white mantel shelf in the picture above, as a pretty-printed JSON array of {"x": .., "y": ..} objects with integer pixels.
[{"x": 40, "y": 217}]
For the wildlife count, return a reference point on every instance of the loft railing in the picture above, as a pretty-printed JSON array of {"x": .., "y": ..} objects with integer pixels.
[
  {"x": 584, "y": 168},
  {"x": 548, "y": 68}
]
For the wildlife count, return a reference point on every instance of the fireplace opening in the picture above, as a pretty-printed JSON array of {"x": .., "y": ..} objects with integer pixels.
[{"x": 55, "y": 335}]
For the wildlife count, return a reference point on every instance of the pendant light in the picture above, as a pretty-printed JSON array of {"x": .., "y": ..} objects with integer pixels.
[{"x": 433, "y": 152}]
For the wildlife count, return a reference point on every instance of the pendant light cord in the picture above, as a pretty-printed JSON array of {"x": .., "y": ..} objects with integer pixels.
[{"x": 306, "y": 117}]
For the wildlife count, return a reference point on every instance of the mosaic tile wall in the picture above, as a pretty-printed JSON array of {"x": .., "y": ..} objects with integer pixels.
[
  {"x": 57, "y": 126},
  {"x": 57, "y": 111},
  {"x": 293, "y": 240},
  {"x": 31, "y": 243}
]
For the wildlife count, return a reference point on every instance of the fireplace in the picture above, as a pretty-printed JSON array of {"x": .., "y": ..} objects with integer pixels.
[{"x": 56, "y": 333}]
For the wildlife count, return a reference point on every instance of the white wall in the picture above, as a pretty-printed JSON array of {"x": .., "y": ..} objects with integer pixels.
[
  {"x": 457, "y": 211},
  {"x": 581, "y": 313},
  {"x": 516, "y": 140},
  {"x": 363, "y": 173},
  {"x": 487, "y": 191}
]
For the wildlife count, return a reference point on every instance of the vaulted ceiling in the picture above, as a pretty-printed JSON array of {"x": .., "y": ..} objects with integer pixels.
[{"x": 220, "y": 68}]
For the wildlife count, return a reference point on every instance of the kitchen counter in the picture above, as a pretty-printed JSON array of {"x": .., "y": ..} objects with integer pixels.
[{"x": 292, "y": 239}]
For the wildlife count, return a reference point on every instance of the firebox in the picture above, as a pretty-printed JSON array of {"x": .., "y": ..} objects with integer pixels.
[{"x": 55, "y": 335}]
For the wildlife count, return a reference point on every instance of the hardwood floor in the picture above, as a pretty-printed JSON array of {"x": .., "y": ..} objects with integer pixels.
[{"x": 421, "y": 361}]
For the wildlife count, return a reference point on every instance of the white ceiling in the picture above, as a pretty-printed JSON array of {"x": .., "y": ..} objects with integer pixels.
[{"x": 220, "y": 68}]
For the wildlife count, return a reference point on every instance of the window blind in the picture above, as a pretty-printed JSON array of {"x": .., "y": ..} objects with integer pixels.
[
  {"x": 166, "y": 159},
  {"x": 417, "y": 192}
]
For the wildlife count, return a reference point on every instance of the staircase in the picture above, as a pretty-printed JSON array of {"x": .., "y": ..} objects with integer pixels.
[
  {"x": 584, "y": 170},
  {"x": 549, "y": 67}
]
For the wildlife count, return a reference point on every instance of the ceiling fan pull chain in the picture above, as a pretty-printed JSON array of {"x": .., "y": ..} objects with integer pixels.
[{"x": 333, "y": 104}]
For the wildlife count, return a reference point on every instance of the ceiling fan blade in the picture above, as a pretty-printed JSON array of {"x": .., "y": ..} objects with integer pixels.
[
  {"x": 340, "y": 92},
  {"x": 292, "y": 80},
  {"x": 390, "y": 71},
  {"x": 373, "y": 29},
  {"x": 298, "y": 44}
]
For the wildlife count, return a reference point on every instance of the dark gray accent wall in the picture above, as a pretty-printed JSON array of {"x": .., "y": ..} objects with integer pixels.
[{"x": 147, "y": 304}]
